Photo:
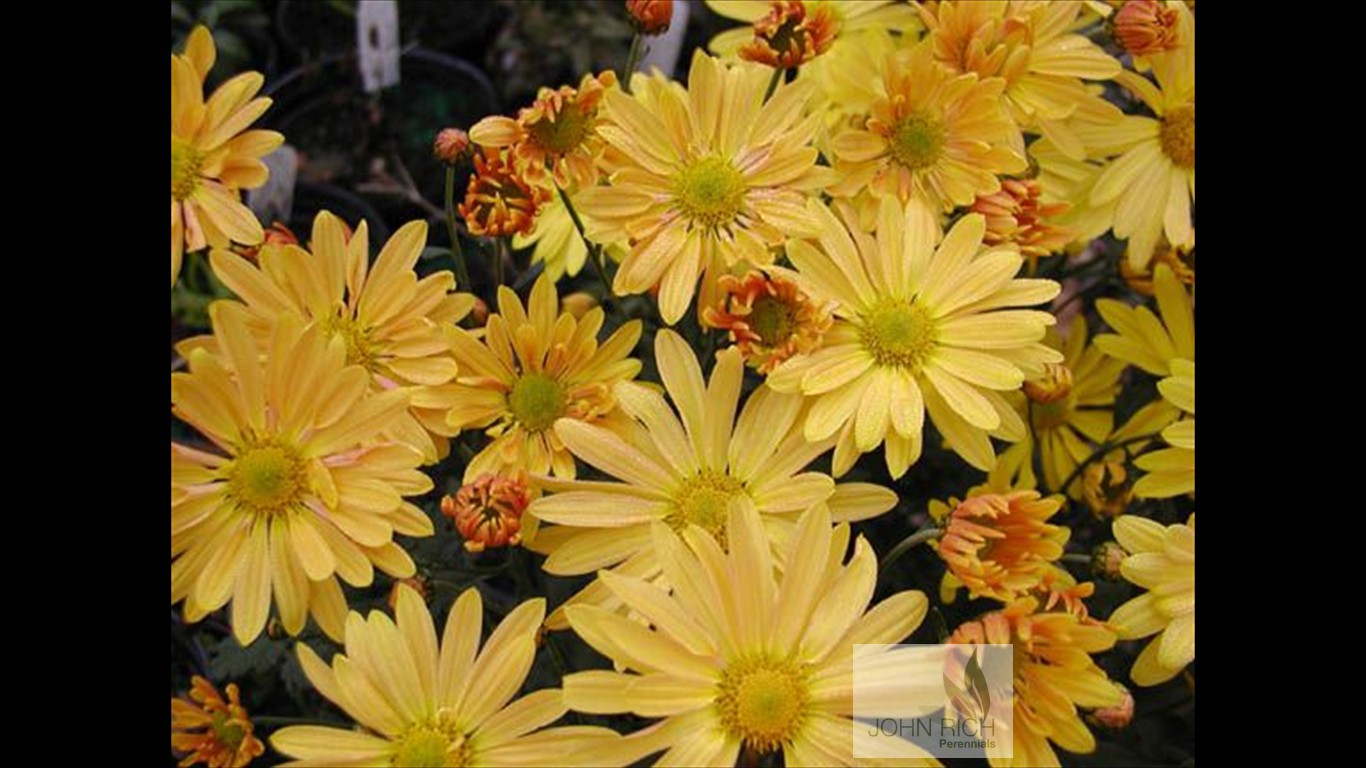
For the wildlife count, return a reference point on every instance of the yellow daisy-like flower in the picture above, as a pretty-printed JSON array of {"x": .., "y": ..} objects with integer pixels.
[
  {"x": 999, "y": 545},
  {"x": 559, "y": 130},
  {"x": 424, "y": 704},
  {"x": 687, "y": 468},
  {"x": 390, "y": 321},
  {"x": 1171, "y": 471},
  {"x": 212, "y": 154},
  {"x": 702, "y": 178},
  {"x": 934, "y": 135},
  {"x": 556, "y": 240},
  {"x": 1054, "y": 674},
  {"x": 1034, "y": 48},
  {"x": 917, "y": 327},
  {"x": 738, "y": 657},
  {"x": 211, "y": 730},
  {"x": 535, "y": 366},
  {"x": 1161, "y": 560},
  {"x": 1152, "y": 178},
  {"x": 305, "y": 488},
  {"x": 1142, "y": 339}
]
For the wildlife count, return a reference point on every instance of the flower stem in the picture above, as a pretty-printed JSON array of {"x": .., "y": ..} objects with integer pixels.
[
  {"x": 500, "y": 252},
  {"x": 773, "y": 82},
  {"x": 462, "y": 274},
  {"x": 1078, "y": 559},
  {"x": 595, "y": 254},
  {"x": 907, "y": 544},
  {"x": 1100, "y": 453},
  {"x": 632, "y": 58}
]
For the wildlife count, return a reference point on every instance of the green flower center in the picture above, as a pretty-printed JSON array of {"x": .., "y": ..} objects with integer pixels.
[
  {"x": 268, "y": 478},
  {"x": 560, "y": 135},
  {"x": 428, "y": 746},
  {"x": 185, "y": 163},
  {"x": 229, "y": 734},
  {"x": 772, "y": 320},
  {"x": 703, "y": 500},
  {"x": 899, "y": 334},
  {"x": 1052, "y": 414},
  {"x": 360, "y": 350},
  {"x": 762, "y": 702},
  {"x": 1177, "y": 135},
  {"x": 917, "y": 141},
  {"x": 710, "y": 192},
  {"x": 536, "y": 401}
]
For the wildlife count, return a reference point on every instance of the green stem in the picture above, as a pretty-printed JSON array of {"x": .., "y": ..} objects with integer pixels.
[
  {"x": 1099, "y": 453},
  {"x": 595, "y": 254},
  {"x": 461, "y": 272},
  {"x": 1079, "y": 559},
  {"x": 907, "y": 544},
  {"x": 275, "y": 720},
  {"x": 499, "y": 253},
  {"x": 773, "y": 82},
  {"x": 632, "y": 58}
]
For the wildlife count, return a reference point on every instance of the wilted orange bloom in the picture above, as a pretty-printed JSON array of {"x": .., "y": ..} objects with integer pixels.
[
  {"x": 488, "y": 511},
  {"x": 650, "y": 17},
  {"x": 769, "y": 318},
  {"x": 450, "y": 144},
  {"x": 790, "y": 35},
  {"x": 1146, "y": 27},
  {"x": 999, "y": 546},
  {"x": 212, "y": 731},
  {"x": 499, "y": 200},
  {"x": 1016, "y": 214},
  {"x": 559, "y": 129},
  {"x": 1054, "y": 674}
]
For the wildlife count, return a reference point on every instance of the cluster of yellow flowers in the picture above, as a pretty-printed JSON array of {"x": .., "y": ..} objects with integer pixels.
[{"x": 892, "y": 215}]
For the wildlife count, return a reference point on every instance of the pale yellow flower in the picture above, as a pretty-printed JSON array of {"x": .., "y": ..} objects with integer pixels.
[
  {"x": 1162, "y": 560},
  {"x": 1171, "y": 471}
]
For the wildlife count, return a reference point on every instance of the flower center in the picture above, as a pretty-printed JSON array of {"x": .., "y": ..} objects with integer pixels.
[
  {"x": 426, "y": 746},
  {"x": 917, "y": 141},
  {"x": 710, "y": 192},
  {"x": 268, "y": 478},
  {"x": 228, "y": 733},
  {"x": 537, "y": 401},
  {"x": 185, "y": 162},
  {"x": 1053, "y": 413},
  {"x": 899, "y": 334},
  {"x": 561, "y": 134},
  {"x": 703, "y": 500},
  {"x": 359, "y": 349},
  {"x": 762, "y": 702},
  {"x": 1178, "y": 135},
  {"x": 1055, "y": 385},
  {"x": 772, "y": 319}
]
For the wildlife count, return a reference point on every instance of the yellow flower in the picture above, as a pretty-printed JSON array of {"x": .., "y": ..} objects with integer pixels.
[
  {"x": 999, "y": 545},
  {"x": 702, "y": 179},
  {"x": 212, "y": 153},
  {"x": 1162, "y": 561},
  {"x": 1054, "y": 674},
  {"x": 917, "y": 327},
  {"x": 1171, "y": 471},
  {"x": 422, "y": 704},
  {"x": 304, "y": 489},
  {"x": 1034, "y": 48},
  {"x": 768, "y": 318},
  {"x": 559, "y": 130},
  {"x": 686, "y": 469},
  {"x": 739, "y": 656},
  {"x": 536, "y": 366},
  {"x": 557, "y": 241},
  {"x": 1152, "y": 178},
  {"x": 1142, "y": 339},
  {"x": 212, "y": 731},
  {"x": 390, "y": 321},
  {"x": 936, "y": 136}
]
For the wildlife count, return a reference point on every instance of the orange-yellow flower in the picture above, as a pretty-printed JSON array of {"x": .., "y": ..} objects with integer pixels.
[
  {"x": 790, "y": 34},
  {"x": 1147, "y": 27},
  {"x": 212, "y": 731},
  {"x": 1017, "y": 214},
  {"x": 999, "y": 545},
  {"x": 769, "y": 318},
  {"x": 450, "y": 144},
  {"x": 499, "y": 200},
  {"x": 488, "y": 511},
  {"x": 559, "y": 129}
]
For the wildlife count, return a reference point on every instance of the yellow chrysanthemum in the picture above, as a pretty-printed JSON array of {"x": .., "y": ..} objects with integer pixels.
[
  {"x": 1142, "y": 339},
  {"x": 918, "y": 327},
  {"x": 686, "y": 469},
  {"x": 556, "y": 240},
  {"x": 390, "y": 321},
  {"x": 212, "y": 154},
  {"x": 702, "y": 179},
  {"x": 1033, "y": 46},
  {"x": 737, "y": 656},
  {"x": 535, "y": 366},
  {"x": 305, "y": 489},
  {"x": 1171, "y": 471},
  {"x": 211, "y": 730},
  {"x": 1162, "y": 560},
  {"x": 1152, "y": 178},
  {"x": 934, "y": 135},
  {"x": 1054, "y": 674},
  {"x": 421, "y": 704}
]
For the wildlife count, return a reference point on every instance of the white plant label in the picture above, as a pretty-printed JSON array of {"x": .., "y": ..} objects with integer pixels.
[{"x": 377, "y": 43}]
